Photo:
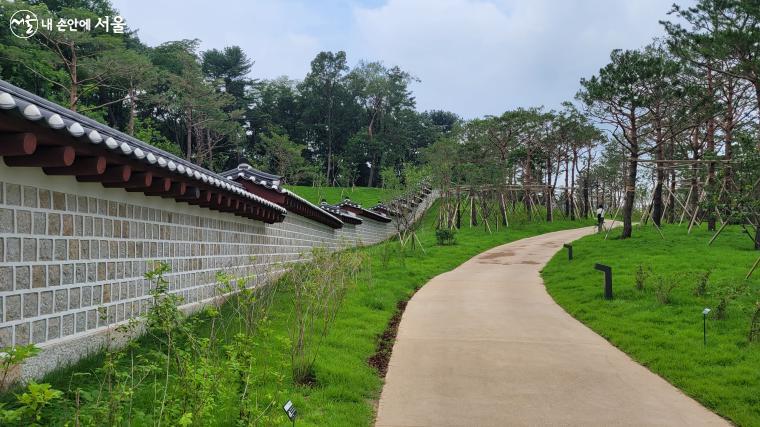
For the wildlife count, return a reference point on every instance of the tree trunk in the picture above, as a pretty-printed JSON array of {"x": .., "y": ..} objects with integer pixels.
[
  {"x": 373, "y": 166},
  {"x": 586, "y": 197},
  {"x": 728, "y": 134},
  {"x": 695, "y": 191},
  {"x": 473, "y": 211},
  {"x": 657, "y": 202},
  {"x": 568, "y": 205},
  {"x": 189, "y": 139},
  {"x": 132, "y": 112},
  {"x": 572, "y": 186},
  {"x": 73, "y": 74},
  {"x": 630, "y": 194},
  {"x": 672, "y": 198},
  {"x": 526, "y": 184},
  {"x": 710, "y": 140},
  {"x": 503, "y": 208},
  {"x": 756, "y": 84},
  {"x": 630, "y": 185},
  {"x": 329, "y": 134},
  {"x": 458, "y": 213},
  {"x": 549, "y": 192}
]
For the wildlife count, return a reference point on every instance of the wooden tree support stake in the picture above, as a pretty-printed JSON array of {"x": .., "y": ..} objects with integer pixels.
[
  {"x": 752, "y": 270},
  {"x": 715, "y": 236}
]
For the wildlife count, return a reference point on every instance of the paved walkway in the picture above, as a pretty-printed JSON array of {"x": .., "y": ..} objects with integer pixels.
[{"x": 484, "y": 344}]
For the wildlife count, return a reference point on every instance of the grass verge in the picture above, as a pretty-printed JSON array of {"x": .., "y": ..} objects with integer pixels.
[
  {"x": 667, "y": 338},
  {"x": 346, "y": 386},
  {"x": 364, "y": 196}
]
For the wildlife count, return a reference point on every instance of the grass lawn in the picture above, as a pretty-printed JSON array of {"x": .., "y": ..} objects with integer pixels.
[
  {"x": 346, "y": 386},
  {"x": 365, "y": 196},
  {"x": 668, "y": 338}
]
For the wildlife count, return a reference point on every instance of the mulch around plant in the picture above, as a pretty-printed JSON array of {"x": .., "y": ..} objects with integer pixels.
[{"x": 385, "y": 341}]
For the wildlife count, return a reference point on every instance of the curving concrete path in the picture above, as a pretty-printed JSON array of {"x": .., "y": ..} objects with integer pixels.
[{"x": 484, "y": 344}]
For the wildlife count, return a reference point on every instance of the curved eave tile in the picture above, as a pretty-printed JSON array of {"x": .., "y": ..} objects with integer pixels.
[
  {"x": 75, "y": 129},
  {"x": 150, "y": 155},
  {"x": 94, "y": 137},
  {"x": 6, "y": 101},
  {"x": 56, "y": 122},
  {"x": 32, "y": 112}
]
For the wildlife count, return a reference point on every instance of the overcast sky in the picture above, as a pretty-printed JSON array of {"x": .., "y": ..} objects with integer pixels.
[{"x": 473, "y": 57}]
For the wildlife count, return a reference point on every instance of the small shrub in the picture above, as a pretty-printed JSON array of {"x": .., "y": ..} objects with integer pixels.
[
  {"x": 385, "y": 254},
  {"x": 31, "y": 405},
  {"x": 319, "y": 289},
  {"x": 754, "y": 324},
  {"x": 642, "y": 275},
  {"x": 726, "y": 294},
  {"x": 703, "y": 279},
  {"x": 11, "y": 358},
  {"x": 663, "y": 288},
  {"x": 445, "y": 236}
]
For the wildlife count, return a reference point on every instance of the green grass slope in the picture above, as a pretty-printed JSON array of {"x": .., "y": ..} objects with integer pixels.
[
  {"x": 668, "y": 338},
  {"x": 346, "y": 386},
  {"x": 365, "y": 196}
]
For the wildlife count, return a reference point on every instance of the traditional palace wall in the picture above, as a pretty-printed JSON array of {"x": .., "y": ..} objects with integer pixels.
[{"x": 73, "y": 256}]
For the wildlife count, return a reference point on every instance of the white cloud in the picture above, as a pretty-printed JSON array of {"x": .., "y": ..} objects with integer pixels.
[
  {"x": 479, "y": 57},
  {"x": 276, "y": 34},
  {"x": 474, "y": 57}
]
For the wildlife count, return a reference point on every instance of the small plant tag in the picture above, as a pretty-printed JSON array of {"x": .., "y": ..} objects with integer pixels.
[{"x": 290, "y": 409}]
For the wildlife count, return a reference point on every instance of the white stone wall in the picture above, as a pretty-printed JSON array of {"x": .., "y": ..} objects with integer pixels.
[{"x": 70, "y": 251}]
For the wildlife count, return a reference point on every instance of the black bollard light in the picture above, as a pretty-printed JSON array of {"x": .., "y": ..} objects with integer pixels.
[
  {"x": 607, "y": 279},
  {"x": 569, "y": 247},
  {"x": 705, "y": 312}
]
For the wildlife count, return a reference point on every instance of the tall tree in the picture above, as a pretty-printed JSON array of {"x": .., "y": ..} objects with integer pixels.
[
  {"x": 324, "y": 95},
  {"x": 618, "y": 97},
  {"x": 721, "y": 30},
  {"x": 381, "y": 92}
]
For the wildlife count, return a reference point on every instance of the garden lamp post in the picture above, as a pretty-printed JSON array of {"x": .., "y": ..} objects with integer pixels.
[{"x": 705, "y": 312}]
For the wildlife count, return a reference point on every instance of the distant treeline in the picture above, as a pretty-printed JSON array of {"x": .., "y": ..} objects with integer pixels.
[{"x": 337, "y": 126}]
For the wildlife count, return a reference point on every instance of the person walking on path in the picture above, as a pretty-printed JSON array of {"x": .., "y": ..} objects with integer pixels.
[{"x": 600, "y": 218}]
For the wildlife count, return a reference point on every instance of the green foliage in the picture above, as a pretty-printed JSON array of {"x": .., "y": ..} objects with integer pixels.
[
  {"x": 367, "y": 197},
  {"x": 726, "y": 293},
  {"x": 642, "y": 275},
  {"x": 754, "y": 325},
  {"x": 32, "y": 404},
  {"x": 319, "y": 288},
  {"x": 203, "y": 106},
  {"x": 145, "y": 131},
  {"x": 445, "y": 236},
  {"x": 667, "y": 338},
  {"x": 284, "y": 157},
  {"x": 663, "y": 287},
  {"x": 216, "y": 359},
  {"x": 11, "y": 357},
  {"x": 164, "y": 316},
  {"x": 703, "y": 279}
]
